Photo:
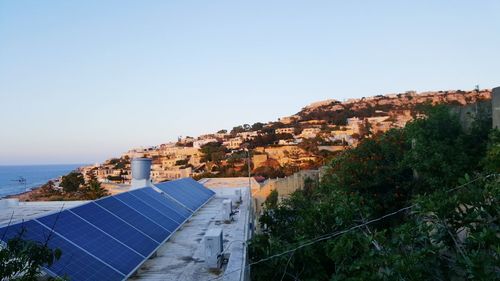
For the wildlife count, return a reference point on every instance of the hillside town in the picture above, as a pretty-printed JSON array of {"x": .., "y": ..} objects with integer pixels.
[{"x": 276, "y": 149}]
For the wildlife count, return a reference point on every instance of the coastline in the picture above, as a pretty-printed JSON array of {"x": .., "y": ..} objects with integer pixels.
[
  {"x": 31, "y": 178},
  {"x": 25, "y": 195}
]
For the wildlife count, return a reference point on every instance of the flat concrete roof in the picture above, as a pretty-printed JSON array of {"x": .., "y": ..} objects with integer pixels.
[
  {"x": 12, "y": 211},
  {"x": 182, "y": 256},
  {"x": 229, "y": 182}
]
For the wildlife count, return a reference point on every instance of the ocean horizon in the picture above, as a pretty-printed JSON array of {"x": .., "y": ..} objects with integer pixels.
[{"x": 11, "y": 176}]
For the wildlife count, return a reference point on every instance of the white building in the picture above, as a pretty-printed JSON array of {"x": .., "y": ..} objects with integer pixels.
[{"x": 199, "y": 143}]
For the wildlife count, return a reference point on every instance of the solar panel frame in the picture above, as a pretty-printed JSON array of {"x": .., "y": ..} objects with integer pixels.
[
  {"x": 93, "y": 240},
  {"x": 192, "y": 192},
  {"x": 116, "y": 227},
  {"x": 196, "y": 191},
  {"x": 174, "y": 187},
  {"x": 148, "y": 211},
  {"x": 111, "y": 204},
  {"x": 198, "y": 186},
  {"x": 55, "y": 242},
  {"x": 188, "y": 193},
  {"x": 166, "y": 239},
  {"x": 157, "y": 204},
  {"x": 166, "y": 196},
  {"x": 180, "y": 197},
  {"x": 164, "y": 199}
]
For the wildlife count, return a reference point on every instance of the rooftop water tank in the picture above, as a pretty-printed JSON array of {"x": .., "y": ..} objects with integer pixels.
[
  {"x": 141, "y": 172},
  {"x": 141, "y": 168}
]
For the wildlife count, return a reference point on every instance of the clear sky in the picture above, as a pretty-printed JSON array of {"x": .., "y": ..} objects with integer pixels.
[{"x": 82, "y": 81}]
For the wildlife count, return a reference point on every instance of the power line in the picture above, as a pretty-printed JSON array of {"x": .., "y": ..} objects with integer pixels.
[
  {"x": 338, "y": 233},
  {"x": 318, "y": 239}
]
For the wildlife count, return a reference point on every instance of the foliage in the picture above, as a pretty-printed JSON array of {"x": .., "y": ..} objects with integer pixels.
[
  {"x": 491, "y": 162},
  {"x": 22, "y": 259},
  {"x": 213, "y": 151},
  {"x": 442, "y": 150},
  {"x": 257, "y": 126},
  {"x": 271, "y": 200},
  {"x": 49, "y": 189},
  {"x": 241, "y": 129},
  {"x": 269, "y": 172},
  {"x": 450, "y": 232},
  {"x": 92, "y": 189},
  {"x": 72, "y": 182}
]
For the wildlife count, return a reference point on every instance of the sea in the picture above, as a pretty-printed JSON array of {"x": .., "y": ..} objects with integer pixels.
[{"x": 19, "y": 179}]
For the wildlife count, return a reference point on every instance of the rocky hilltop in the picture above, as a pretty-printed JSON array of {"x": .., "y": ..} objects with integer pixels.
[{"x": 337, "y": 112}]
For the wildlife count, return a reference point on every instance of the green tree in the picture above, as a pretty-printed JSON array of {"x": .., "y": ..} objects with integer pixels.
[
  {"x": 491, "y": 163},
  {"x": 442, "y": 225},
  {"x": 49, "y": 189},
  {"x": 213, "y": 151},
  {"x": 92, "y": 189},
  {"x": 442, "y": 150},
  {"x": 22, "y": 259},
  {"x": 72, "y": 182},
  {"x": 257, "y": 126}
]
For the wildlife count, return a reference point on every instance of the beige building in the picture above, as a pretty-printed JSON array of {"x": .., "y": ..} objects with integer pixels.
[
  {"x": 309, "y": 133},
  {"x": 290, "y": 130},
  {"x": 233, "y": 143},
  {"x": 248, "y": 135}
]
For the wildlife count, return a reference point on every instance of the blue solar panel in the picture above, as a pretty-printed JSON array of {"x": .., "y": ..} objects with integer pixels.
[
  {"x": 148, "y": 211},
  {"x": 180, "y": 196},
  {"x": 74, "y": 261},
  {"x": 109, "y": 238},
  {"x": 182, "y": 210},
  {"x": 158, "y": 205},
  {"x": 188, "y": 192},
  {"x": 196, "y": 191},
  {"x": 198, "y": 186},
  {"x": 195, "y": 195},
  {"x": 134, "y": 218},
  {"x": 117, "y": 228},
  {"x": 93, "y": 240}
]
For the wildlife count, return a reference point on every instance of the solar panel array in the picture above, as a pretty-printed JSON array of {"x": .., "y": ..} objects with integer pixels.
[
  {"x": 110, "y": 238},
  {"x": 192, "y": 197}
]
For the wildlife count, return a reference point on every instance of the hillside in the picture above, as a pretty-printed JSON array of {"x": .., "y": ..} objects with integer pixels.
[{"x": 302, "y": 141}]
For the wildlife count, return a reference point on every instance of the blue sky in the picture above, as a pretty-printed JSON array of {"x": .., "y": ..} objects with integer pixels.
[{"x": 82, "y": 81}]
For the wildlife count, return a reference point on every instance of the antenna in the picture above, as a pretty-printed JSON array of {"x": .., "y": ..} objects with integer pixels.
[{"x": 21, "y": 180}]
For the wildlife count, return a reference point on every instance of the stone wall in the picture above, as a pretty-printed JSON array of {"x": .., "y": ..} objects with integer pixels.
[
  {"x": 495, "y": 101},
  {"x": 284, "y": 186}
]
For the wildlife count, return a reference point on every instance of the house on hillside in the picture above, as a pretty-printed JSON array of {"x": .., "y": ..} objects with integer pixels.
[
  {"x": 201, "y": 142},
  {"x": 233, "y": 143},
  {"x": 309, "y": 133},
  {"x": 289, "y": 130}
]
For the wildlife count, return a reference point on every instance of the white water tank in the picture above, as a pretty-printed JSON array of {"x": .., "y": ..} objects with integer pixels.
[
  {"x": 214, "y": 246},
  {"x": 141, "y": 172}
]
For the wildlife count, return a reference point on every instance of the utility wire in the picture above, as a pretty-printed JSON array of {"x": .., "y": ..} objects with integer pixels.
[{"x": 338, "y": 233}]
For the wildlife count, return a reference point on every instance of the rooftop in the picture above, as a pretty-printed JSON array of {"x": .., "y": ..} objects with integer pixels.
[
  {"x": 228, "y": 182},
  {"x": 12, "y": 211},
  {"x": 182, "y": 256}
]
